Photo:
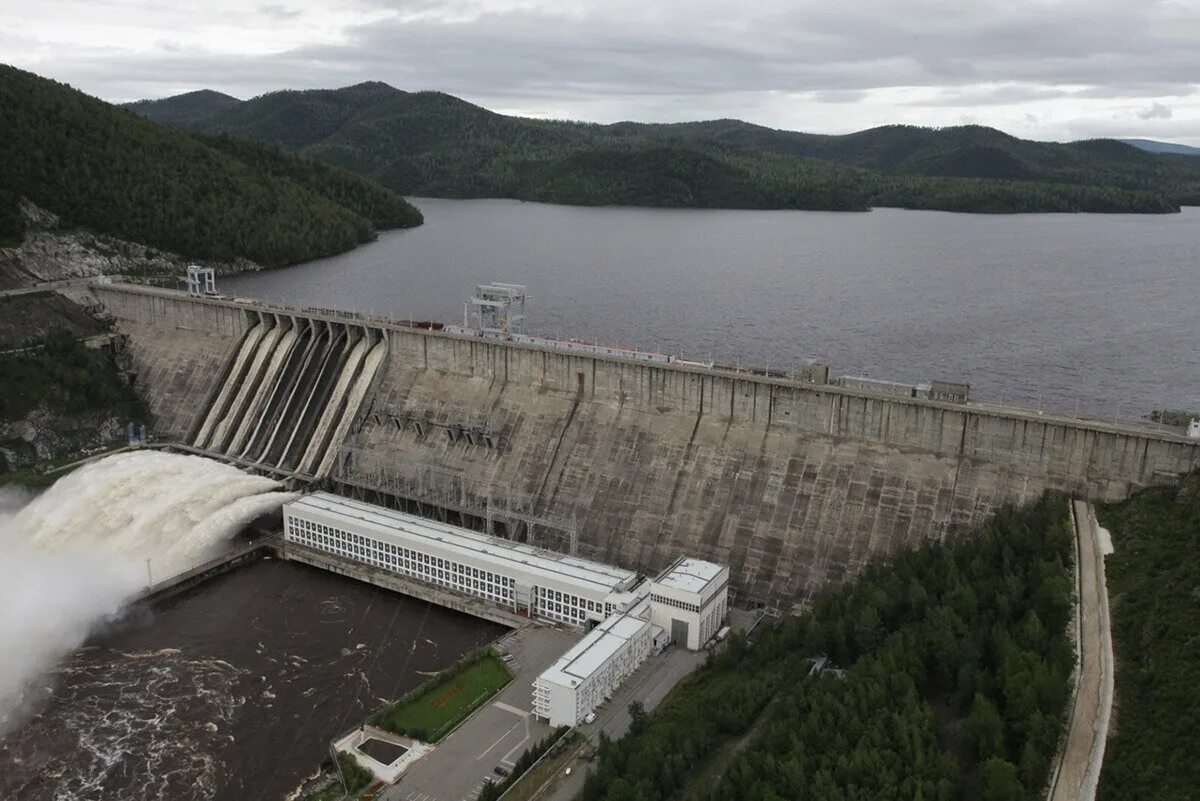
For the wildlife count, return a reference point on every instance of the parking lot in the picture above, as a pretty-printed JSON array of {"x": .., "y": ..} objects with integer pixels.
[{"x": 495, "y": 735}]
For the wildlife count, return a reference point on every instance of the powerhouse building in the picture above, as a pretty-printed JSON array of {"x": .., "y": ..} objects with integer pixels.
[
  {"x": 528, "y": 580},
  {"x": 689, "y": 600},
  {"x": 685, "y": 604}
]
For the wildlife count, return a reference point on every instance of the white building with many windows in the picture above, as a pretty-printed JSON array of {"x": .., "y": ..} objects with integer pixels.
[
  {"x": 689, "y": 600},
  {"x": 525, "y": 579},
  {"x": 592, "y": 669}
]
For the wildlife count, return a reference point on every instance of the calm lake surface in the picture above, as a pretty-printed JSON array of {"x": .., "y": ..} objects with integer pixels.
[{"x": 1095, "y": 312}]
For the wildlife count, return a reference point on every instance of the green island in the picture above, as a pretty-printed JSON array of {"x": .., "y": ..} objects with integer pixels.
[
  {"x": 952, "y": 674},
  {"x": 432, "y": 710},
  {"x": 436, "y": 145},
  {"x": 1154, "y": 590},
  {"x": 107, "y": 169}
]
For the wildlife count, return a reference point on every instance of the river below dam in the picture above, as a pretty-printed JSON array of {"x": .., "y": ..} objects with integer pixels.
[
  {"x": 1095, "y": 313},
  {"x": 230, "y": 692}
]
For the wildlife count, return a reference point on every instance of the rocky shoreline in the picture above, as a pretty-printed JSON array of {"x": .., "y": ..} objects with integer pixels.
[{"x": 54, "y": 252}]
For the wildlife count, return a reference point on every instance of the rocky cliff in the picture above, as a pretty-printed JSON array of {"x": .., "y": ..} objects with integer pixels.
[{"x": 54, "y": 252}]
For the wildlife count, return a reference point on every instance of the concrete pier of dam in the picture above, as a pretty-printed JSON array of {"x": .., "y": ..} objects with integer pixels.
[{"x": 794, "y": 485}]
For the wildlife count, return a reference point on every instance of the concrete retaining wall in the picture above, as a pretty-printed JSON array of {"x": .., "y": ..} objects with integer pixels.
[
  {"x": 178, "y": 350},
  {"x": 390, "y": 581}
]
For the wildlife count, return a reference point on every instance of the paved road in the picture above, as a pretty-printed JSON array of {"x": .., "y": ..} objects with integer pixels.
[
  {"x": 45, "y": 286},
  {"x": 495, "y": 735},
  {"x": 649, "y": 684},
  {"x": 1083, "y": 755}
]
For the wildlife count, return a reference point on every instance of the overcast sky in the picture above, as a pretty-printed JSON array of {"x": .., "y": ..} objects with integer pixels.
[{"x": 1036, "y": 68}]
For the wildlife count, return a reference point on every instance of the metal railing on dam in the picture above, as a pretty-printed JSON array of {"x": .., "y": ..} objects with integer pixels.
[{"x": 793, "y": 484}]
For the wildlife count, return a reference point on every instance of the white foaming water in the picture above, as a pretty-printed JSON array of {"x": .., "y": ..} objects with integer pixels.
[{"x": 72, "y": 556}]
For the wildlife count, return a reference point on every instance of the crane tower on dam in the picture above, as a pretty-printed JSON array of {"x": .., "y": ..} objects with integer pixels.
[{"x": 497, "y": 309}]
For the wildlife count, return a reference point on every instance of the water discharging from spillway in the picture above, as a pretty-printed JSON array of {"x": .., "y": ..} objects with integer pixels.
[{"x": 72, "y": 556}]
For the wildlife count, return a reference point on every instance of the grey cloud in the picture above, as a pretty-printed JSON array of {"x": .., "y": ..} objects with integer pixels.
[
  {"x": 991, "y": 95},
  {"x": 1157, "y": 111},
  {"x": 275, "y": 11},
  {"x": 840, "y": 96},
  {"x": 690, "y": 58}
]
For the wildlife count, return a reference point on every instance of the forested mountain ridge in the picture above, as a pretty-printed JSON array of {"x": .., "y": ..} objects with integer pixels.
[
  {"x": 1154, "y": 146},
  {"x": 104, "y": 168},
  {"x": 190, "y": 107},
  {"x": 430, "y": 143}
]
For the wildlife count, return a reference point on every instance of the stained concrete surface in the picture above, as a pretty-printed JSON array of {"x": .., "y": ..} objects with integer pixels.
[{"x": 795, "y": 486}]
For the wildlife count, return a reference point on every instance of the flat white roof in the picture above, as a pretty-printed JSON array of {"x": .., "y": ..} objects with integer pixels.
[
  {"x": 364, "y": 518},
  {"x": 593, "y": 651},
  {"x": 690, "y": 575}
]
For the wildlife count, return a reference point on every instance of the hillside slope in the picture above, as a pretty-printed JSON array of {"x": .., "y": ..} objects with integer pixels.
[
  {"x": 188, "y": 108},
  {"x": 104, "y": 168},
  {"x": 431, "y": 143},
  {"x": 1154, "y": 146}
]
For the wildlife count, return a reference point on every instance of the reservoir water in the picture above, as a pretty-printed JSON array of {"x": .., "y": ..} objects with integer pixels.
[{"x": 1091, "y": 312}]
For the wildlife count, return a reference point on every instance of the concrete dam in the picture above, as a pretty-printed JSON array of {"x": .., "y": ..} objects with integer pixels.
[{"x": 794, "y": 485}]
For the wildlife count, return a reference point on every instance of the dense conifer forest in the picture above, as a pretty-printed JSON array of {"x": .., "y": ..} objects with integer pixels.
[
  {"x": 433, "y": 144},
  {"x": 60, "y": 374},
  {"x": 1154, "y": 590},
  {"x": 952, "y": 677},
  {"x": 108, "y": 169}
]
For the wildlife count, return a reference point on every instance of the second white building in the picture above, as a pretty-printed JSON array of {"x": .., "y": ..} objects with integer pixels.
[{"x": 592, "y": 670}]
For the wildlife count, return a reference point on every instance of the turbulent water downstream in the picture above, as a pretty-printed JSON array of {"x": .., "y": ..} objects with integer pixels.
[
  {"x": 231, "y": 691},
  {"x": 73, "y": 555}
]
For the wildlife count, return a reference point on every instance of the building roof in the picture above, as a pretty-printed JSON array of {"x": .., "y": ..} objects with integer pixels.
[
  {"x": 362, "y": 518},
  {"x": 593, "y": 651},
  {"x": 690, "y": 575}
]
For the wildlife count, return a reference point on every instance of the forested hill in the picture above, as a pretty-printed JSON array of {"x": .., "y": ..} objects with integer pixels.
[
  {"x": 105, "y": 168},
  {"x": 429, "y": 143}
]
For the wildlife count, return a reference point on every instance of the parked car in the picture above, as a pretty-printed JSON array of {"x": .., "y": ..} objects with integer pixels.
[
  {"x": 590, "y": 717},
  {"x": 507, "y": 658},
  {"x": 501, "y": 770}
]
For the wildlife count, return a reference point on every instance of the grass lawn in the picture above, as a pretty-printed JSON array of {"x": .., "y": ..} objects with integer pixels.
[{"x": 431, "y": 714}]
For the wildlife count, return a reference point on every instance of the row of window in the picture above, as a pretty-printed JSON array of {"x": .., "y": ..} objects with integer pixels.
[
  {"x": 549, "y": 603},
  {"x": 662, "y": 599},
  {"x": 414, "y": 564},
  {"x": 567, "y": 607},
  {"x": 712, "y": 621}
]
